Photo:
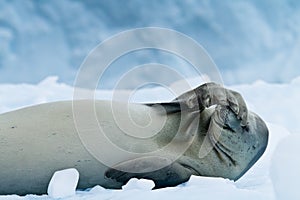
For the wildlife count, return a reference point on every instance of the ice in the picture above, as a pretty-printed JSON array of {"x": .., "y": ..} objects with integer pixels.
[
  {"x": 139, "y": 184},
  {"x": 274, "y": 177},
  {"x": 259, "y": 175},
  {"x": 285, "y": 168},
  {"x": 63, "y": 183}
]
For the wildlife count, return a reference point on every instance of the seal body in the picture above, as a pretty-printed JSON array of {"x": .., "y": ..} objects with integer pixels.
[{"x": 39, "y": 140}]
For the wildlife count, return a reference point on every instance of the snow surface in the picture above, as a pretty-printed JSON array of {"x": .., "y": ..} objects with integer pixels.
[{"x": 274, "y": 176}]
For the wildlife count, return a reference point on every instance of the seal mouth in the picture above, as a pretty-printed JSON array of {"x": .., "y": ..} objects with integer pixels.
[{"x": 191, "y": 169}]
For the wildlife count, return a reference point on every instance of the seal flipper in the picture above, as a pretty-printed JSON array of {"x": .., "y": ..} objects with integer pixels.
[
  {"x": 151, "y": 168},
  {"x": 169, "y": 107},
  {"x": 178, "y": 105},
  {"x": 205, "y": 96}
]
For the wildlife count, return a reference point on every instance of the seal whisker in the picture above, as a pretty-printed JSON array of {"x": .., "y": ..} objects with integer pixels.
[
  {"x": 226, "y": 154},
  {"x": 221, "y": 149}
]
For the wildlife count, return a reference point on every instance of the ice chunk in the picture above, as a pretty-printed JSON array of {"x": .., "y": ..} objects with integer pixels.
[
  {"x": 285, "y": 168},
  {"x": 63, "y": 183},
  {"x": 140, "y": 184},
  {"x": 97, "y": 189}
]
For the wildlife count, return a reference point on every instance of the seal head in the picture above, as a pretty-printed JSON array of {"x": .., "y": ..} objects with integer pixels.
[{"x": 237, "y": 146}]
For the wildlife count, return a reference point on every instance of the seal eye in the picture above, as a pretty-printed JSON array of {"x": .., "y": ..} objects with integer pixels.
[
  {"x": 246, "y": 128},
  {"x": 227, "y": 119},
  {"x": 228, "y": 128}
]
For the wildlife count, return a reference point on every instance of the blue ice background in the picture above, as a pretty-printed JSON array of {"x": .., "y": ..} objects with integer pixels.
[{"x": 248, "y": 40}]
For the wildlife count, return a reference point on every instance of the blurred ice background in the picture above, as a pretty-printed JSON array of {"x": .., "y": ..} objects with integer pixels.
[{"x": 248, "y": 40}]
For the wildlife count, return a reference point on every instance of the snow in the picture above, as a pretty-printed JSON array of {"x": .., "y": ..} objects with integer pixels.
[
  {"x": 63, "y": 183},
  {"x": 274, "y": 176}
]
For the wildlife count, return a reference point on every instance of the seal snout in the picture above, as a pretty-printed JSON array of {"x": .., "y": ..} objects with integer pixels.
[{"x": 262, "y": 131}]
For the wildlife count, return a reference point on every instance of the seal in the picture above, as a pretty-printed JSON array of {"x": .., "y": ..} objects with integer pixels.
[{"x": 222, "y": 137}]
